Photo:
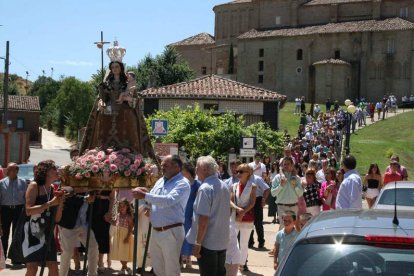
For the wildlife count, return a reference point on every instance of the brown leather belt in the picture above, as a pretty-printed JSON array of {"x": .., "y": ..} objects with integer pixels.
[
  {"x": 288, "y": 205},
  {"x": 160, "y": 229}
]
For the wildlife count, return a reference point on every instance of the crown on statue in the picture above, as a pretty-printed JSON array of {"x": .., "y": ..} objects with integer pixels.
[{"x": 116, "y": 53}]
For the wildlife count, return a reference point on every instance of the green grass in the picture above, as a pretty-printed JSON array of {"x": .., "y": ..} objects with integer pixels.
[
  {"x": 288, "y": 120},
  {"x": 372, "y": 144},
  {"x": 375, "y": 143}
]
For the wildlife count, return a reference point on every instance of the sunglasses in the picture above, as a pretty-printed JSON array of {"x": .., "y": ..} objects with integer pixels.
[{"x": 240, "y": 171}]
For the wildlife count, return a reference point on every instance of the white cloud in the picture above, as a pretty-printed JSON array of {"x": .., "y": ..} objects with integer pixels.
[{"x": 73, "y": 63}]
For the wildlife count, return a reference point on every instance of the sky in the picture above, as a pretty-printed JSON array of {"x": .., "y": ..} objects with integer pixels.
[{"x": 60, "y": 34}]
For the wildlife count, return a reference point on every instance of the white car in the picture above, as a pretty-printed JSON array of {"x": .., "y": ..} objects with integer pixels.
[{"x": 404, "y": 195}]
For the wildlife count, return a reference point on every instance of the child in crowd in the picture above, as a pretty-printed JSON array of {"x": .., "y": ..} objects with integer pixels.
[
  {"x": 128, "y": 94},
  {"x": 121, "y": 247},
  {"x": 285, "y": 237}
]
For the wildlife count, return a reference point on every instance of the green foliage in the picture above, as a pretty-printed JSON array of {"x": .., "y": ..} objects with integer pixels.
[
  {"x": 165, "y": 69},
  {"x": 46, "y": 88},
  {"x": 268, "y": 141},
  {"x": 389, "y": 153},
  {"x": 96, "y": 78},
  {"x": 70, "y": 110},
  {"x": 202, "y": 133}
]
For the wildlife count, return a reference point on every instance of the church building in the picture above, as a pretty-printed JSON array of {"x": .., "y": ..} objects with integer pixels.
[{"x": 319, "y": 49}]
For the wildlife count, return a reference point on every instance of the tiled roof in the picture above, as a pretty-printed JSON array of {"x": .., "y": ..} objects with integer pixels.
[
  {"x": 214, "y": 87},
  {"x": 200, "y": 39},
  {"x": 329, "y": 2},
  {"x": 331, "y": 61},
  {"x": 391, "y": 24},
  {"x": 27, "y": 103}
]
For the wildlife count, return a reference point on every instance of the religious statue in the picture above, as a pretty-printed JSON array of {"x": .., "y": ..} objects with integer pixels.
[{"x": 114, "y": 122}]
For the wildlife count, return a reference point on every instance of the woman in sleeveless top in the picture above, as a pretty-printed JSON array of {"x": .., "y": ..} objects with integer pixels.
[
  {"x": 373, "y": 183},
  {"x": 40, "y": 206},
  {"x": 243, "y": 195}
]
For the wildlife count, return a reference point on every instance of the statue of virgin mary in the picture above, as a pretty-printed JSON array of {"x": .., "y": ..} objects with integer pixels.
[{"x": 112, "y": 123}]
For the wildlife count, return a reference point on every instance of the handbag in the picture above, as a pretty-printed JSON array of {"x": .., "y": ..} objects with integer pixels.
[{"x": 15, "y": 252}]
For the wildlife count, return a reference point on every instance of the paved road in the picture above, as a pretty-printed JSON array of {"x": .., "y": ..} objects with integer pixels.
[{"x": 53, "y": 147}]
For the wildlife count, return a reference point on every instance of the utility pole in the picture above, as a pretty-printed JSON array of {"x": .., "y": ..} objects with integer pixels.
[
  {"x": 27, "y": 87},
  {"x": 6, "y": 86},
  {"x": 100, "y": 45}
]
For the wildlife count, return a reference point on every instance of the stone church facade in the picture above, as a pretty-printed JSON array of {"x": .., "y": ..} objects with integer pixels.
[{"x": 319, "y": 49}]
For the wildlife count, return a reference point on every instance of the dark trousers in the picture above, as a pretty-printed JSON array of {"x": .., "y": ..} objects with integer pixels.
[
  {"x": 212, "y": 262},
  {"x": 9, "y": 218},
  {"x": 258, "y": 222}
]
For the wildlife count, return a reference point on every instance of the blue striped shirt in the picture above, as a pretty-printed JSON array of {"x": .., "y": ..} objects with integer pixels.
[{"x": 12, "y": 192}]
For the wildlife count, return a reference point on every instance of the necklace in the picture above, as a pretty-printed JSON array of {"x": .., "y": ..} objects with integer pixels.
[{"x": 48, "y": 198}]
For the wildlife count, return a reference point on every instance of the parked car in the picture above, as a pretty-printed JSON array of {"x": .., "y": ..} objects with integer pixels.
[
  {"x": 352, "y": 242},
  {"x": 404, "y": 195},
  {"x": 26, "y": 172}
]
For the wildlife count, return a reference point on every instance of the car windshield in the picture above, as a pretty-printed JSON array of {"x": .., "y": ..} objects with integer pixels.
[
  {"x": 348, "y": 259},
  {"x": 405, "y": 197},
  {"x": 26, "y": 172}
]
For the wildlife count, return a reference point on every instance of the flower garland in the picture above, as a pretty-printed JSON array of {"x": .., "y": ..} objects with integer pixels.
[{"x": 110, "y": 162}]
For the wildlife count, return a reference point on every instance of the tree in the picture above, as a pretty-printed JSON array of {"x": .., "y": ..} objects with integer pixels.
[
  {"x": 202, "y": 133},
  {"x": 46, "y": 88},
  {"x": 70, "y": 110},
  {"x": 165, "y": 69}
]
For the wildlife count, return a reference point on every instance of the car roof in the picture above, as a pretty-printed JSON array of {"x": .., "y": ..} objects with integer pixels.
[
  {"x": 359, "y": 222},
  {"x": 400, "y": 184}
]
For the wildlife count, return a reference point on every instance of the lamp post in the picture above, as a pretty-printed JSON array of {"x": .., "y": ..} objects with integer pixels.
[
  {"x": 350, "y": 110},
  {"x": 27, "y": 87}
]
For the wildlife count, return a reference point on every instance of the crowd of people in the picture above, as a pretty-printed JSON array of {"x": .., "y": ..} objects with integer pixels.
[{"x": 207, "y": 211}]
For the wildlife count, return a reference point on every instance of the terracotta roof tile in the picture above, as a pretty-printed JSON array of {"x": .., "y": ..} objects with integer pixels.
[
  {"x": 329, "y": 2},
  {"x": 331, "y": 61},
  {"x": 392, "y": 24},
  {"x": 199, "y": 39},
  {"x": 27, "y": 103},
  {"x": 214, "y": 87}
]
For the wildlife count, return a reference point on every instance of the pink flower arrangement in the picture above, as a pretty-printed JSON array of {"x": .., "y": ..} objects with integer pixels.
[{"x": 110, "y": 162}]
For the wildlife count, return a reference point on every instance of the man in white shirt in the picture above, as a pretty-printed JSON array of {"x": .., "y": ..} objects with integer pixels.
[{"x": 258, "y": 167}]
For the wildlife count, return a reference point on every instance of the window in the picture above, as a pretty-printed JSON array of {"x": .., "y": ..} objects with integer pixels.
[
  {"x": 260, "y": 79},
  {"x": 20, "y": 123},
  {"x": 204, "y": 70},
  {"x": 277, "y": 20},
  {"x": 337, "y": 54},
  {"x": 213, "y": 107},
  {"x": 390, "y": 46},
  {"x": 299, "y": 54},
  {"x": 404, "y": 12},
  {"x": 261, "y": 52},
  {"x": 261, "y": 65}
]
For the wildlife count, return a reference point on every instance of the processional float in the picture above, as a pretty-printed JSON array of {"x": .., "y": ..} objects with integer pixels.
[{"x": 116, "y": 147}]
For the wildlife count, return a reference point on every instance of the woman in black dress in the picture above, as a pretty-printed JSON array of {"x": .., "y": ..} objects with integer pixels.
[
  {"x": 101, "y": 218},
  {"x": 40, "y": 207}
]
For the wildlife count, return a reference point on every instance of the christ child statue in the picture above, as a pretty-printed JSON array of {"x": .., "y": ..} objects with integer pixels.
[{"x": 128, "y": 94}]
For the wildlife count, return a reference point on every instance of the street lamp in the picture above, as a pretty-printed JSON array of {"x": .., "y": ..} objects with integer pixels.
[{"x": 350, "y": 110}]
